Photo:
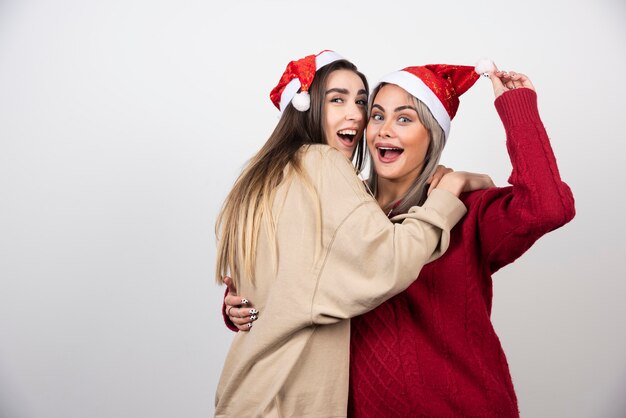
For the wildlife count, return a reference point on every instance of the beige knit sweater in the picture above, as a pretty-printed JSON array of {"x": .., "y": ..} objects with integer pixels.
[{"x": 338, "y": 256}]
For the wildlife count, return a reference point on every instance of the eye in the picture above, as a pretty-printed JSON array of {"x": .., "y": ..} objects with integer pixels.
[
  {"x": 404, "y": 119},
  {"x": 336, "y": 100},
  {"x": 361, "y": 102},
  {"x": 377, "y": 117}
]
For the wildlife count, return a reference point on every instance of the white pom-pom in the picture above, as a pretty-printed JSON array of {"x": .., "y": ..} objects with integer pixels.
[
  {"x": 301, "y": 101},
  {"x": 484, "y": 65}
]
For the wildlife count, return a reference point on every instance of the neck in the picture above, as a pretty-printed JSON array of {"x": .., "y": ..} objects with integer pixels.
[{"x": 389, "y": 191}]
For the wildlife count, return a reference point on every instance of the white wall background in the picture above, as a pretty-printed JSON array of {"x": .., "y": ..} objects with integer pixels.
[{"x": 124, "y": 123}]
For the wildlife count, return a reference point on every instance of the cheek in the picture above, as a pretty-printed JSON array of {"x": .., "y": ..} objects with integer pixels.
[
  {"x": 331, "y": 140},
  {"x": 369, "y": 139},
  {"x": 331, "y": 115},
  {"x": 364, "y": 118},
  {"x": 370, "y": 133},
  {"x": 418, "y": 151},
  {"x": 418, "y": 141}
]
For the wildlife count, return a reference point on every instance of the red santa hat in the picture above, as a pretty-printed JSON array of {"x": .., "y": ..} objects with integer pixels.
[
  {"x": 438, "y": 86},
  {"x": 299, "y": 75}
]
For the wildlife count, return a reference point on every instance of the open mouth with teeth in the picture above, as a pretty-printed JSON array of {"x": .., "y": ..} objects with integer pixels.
[
  {"x": 347, "y": 136},
  {"x": 389, "y": 154}
]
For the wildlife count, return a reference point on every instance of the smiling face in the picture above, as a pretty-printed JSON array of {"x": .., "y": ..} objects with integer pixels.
[
  {"x": 397, "y": 140},
  {"x": 344, "y": 111}
]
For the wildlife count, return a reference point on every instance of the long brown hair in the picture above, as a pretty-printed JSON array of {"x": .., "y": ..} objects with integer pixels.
[
  {"x": 416, "y": 195},
  {"x": 250, "y": 201}
]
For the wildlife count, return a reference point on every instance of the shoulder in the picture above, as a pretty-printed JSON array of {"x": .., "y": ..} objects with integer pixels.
[
  {"x": 329, "y": 168},
  {"x": 475, "y": 199},
  {"x": 315, "y": 159},
  {"x": 320, "y": 154}
]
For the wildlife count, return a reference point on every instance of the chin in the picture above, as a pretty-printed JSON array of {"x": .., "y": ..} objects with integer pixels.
[{"x": 387, "y": 173}]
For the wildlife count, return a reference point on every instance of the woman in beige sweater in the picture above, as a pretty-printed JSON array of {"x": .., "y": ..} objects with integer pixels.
[{"x": 286, "y": 235}]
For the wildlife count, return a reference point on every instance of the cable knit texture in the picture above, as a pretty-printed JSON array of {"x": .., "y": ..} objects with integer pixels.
[{"x": 431, "y": 351}]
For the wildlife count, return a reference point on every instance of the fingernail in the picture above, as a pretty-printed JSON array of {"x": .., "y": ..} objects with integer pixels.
[
  {"x": 249, "y": 324},
  {"x": 253, "y": 317},
  {"x": 253, "y": 311},
  {"x": 244, "y": 301}
]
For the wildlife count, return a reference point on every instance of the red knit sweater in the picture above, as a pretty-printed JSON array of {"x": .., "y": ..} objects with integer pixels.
[{"x": 432, "y": 350}]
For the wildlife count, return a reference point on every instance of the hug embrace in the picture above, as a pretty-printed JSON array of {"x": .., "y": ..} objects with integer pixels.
[{"x": 373, "y": 298}]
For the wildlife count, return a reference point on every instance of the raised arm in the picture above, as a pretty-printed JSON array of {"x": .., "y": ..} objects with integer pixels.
[{"x": 511, "y": 219}]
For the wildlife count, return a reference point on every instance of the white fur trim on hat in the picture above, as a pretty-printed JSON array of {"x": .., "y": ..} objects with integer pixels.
[
  {"x": 417, "y": 88},
  {"x": 326, "y": 58},
  {"x": 290, "y": 90}
]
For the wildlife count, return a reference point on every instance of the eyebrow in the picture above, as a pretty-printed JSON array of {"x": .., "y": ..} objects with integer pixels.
[
  {"x": 344, "y": 91},
  {"x": 397, "y": 109}
]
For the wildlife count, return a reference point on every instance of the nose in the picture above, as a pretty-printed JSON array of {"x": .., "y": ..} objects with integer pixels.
[
  {"x": 385, "y": 130},
  {"x": 355, "y": 113}
]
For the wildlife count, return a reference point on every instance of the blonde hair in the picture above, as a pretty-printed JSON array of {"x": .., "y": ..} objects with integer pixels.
[
  {"x": 416, "y": 195},
  {"x": 252, "y": 196}
]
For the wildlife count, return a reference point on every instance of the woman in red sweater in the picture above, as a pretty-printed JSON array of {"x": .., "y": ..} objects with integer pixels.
[{"x": 432, "y": 350}]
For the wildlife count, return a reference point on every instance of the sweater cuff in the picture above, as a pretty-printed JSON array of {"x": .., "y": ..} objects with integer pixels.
[
  {"x": 518, "y": 107},
  {"x": 447, "y": 205},
  {"x": 227, "y": 321}
]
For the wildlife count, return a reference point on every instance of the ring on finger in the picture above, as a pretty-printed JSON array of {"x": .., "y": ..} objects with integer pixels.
[
  {"x": 228, "y": 310},
  {"x": 239, "y": 312}
]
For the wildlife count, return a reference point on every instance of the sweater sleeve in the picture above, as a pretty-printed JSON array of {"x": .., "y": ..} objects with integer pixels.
[
  {"x": 370, "y": 259},
  {"x": 511, "y": 219}
]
